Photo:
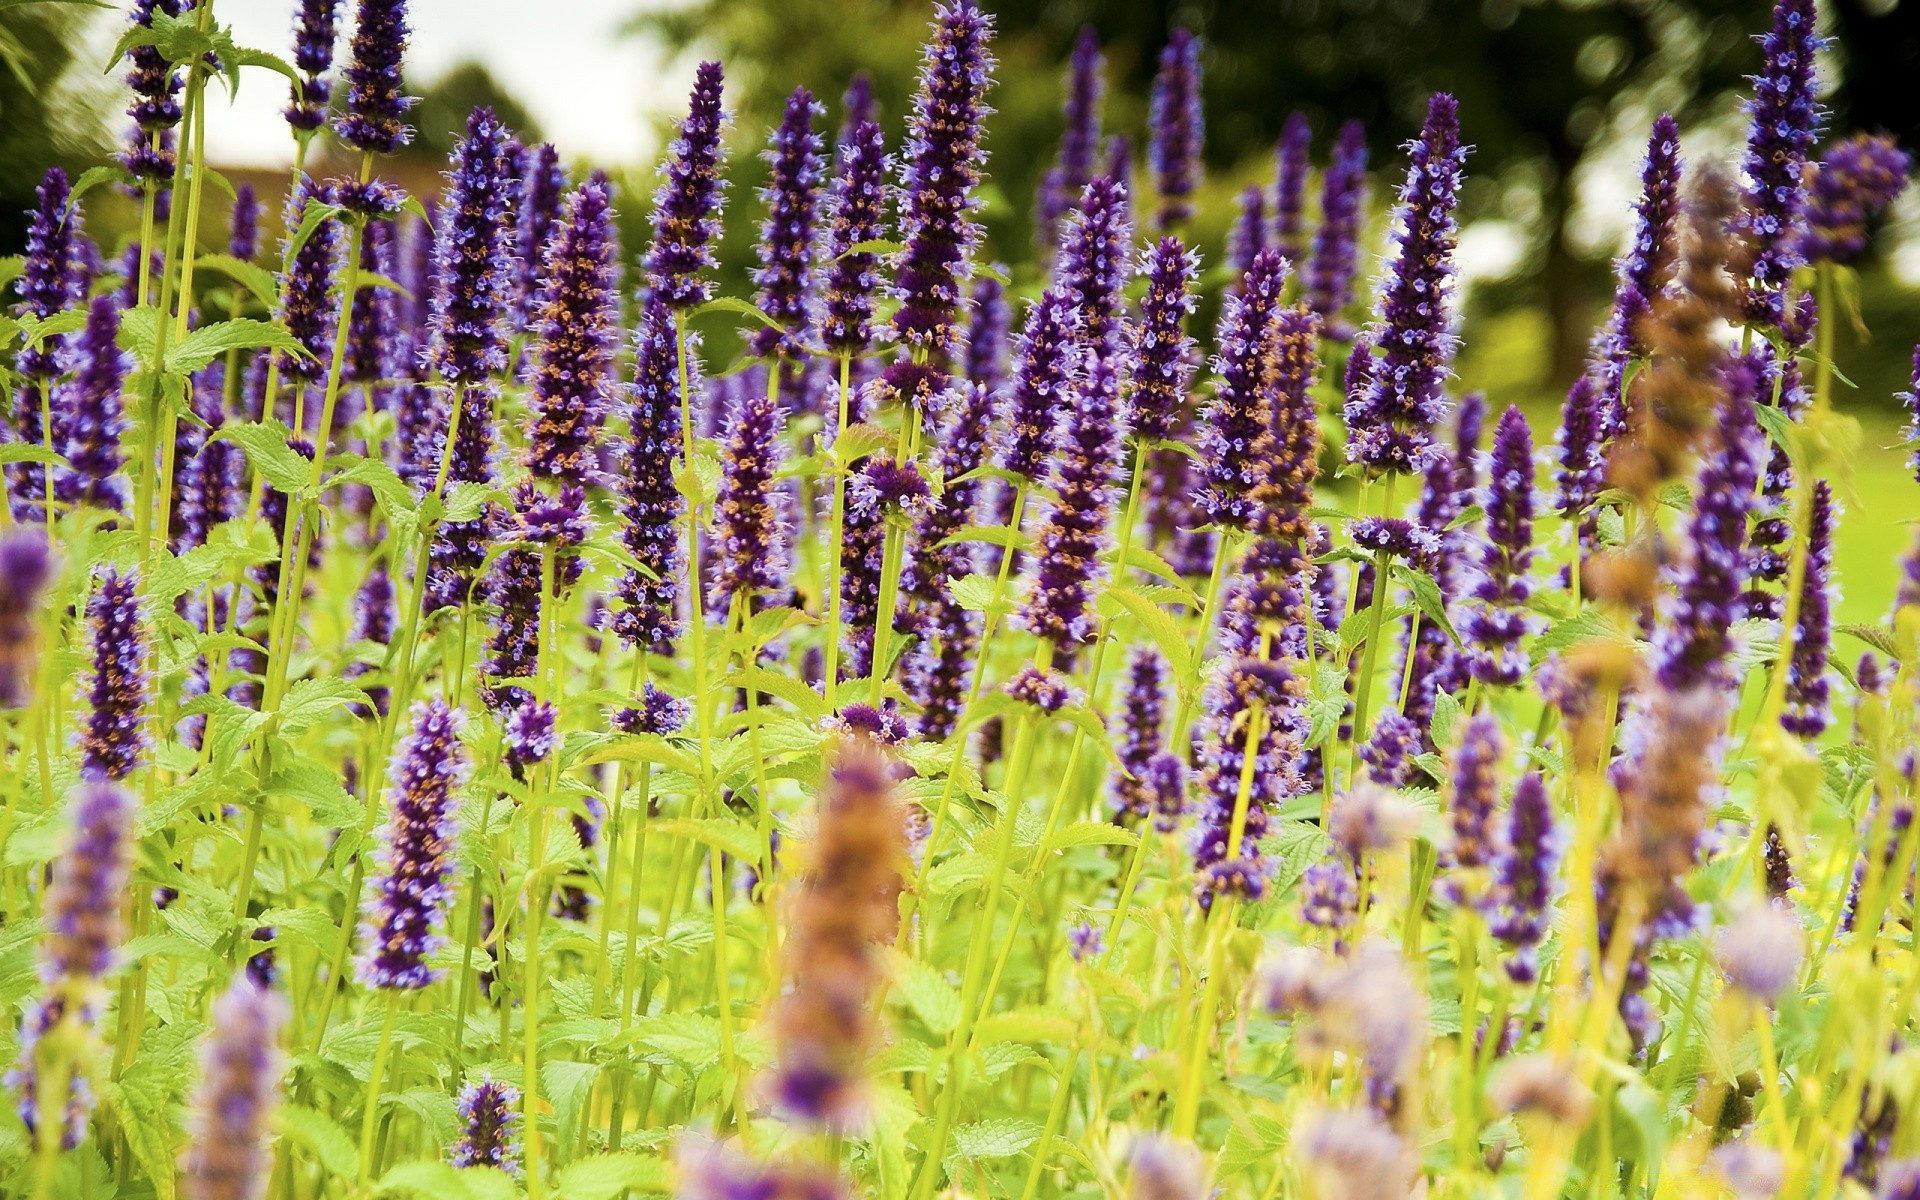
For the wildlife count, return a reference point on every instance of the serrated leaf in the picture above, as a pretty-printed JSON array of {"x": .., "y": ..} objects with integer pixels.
[
  {"x": 1427, "y": 598},
  {"x": 430, "y": 1180},
  {"x": 737, "y": 306},
  {"x": 975, "y": 593},
  {"x": 1089, "y": 833},
  {"x": 1161, "y": 627},
  {"x": 22, "y": 452},
  {"x": 735, "y": 837},
  {"x": 323, "y": 1139},
  {"x": 935, "y": 1001},
  {"x": 1002, "y": 1137},
  {"x": 990, "y": 535},
  {"x": 873, "y": 246},
  {"x": 311, "y": 700},
  {"x": 265, "y": 443},
  {"x": 604, "y": 1176},
  {"x": 254, "y": 278}
]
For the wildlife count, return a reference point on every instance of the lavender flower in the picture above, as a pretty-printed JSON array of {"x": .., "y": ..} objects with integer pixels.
[
  {"x": 858, "y": 210},
  {"x": 1179, "y": 128},
  {"x": 1248, "y": 236},
  {"x": 50, "y": 280},
  {"x": 489, "y": 1126},
  {"x": 1073, "y": 169},
  {"x": 1807, "y": 711},
  {"x": 577, "y": 329},
  {"x": 1472, "y": 792},
  {"x": 1694, "y": 637},
  {"x": 228, "y": 1158},
  {"x": 537, "y": 217},
  {"x": 374, "y": 122},
  {"x": 1343, "y": 203},
  {"x": 1388, "y": 753},
  {"x": 786, "y": 248},
  {"x": 1045, "y": 370},
  {"x": 1581, "y": 467},
  {"x": 686, "y": 208},
  {"x": 407, "y": 901},
  {"x": 1066, "y": 570},
  {"x": 750, "y": 534},
  {"x": 1858, "y": 180},
  {"x": 243, "y": 237},
  {"x": 1236, "y": 426},
  {"x": 314, "y": 30},
  {"x": 1642, "y": 273},
  {"x": 987, "y": 334},
  {"x": 833, "y": 956},
  {"x": 307, "y": 307},
  {"x": 936, "y": 669},
  {"x": 1142, "y": 710},
  {"x": 1086, "y": 941},
  {"x": 1498, "y": 619},
  {"x": 473, "y": 261},
  {"x": 658, "y": 713},
  {"x": 647, "y": 614},
  {"x": 208, "y": 475},
  {"x": 940, "y": 167},
  {"x": 708, "y": 1171},
  {"x": 374, "y": 614},
  {"x": 156, "y": 101},
  {"x": 372, "y": 356},
  {"x": 1356, "y": 1155},
  {"x": 513, "y": 649},
  {"x": 1391, "y": 427},
  {"x": 88, "y": 416},
  {"x": 26, "y": 567},
  {"x": 857, "y": 107},
  {"x": 1785, "y": 124},
  {"x": 1047, "y": 691},
  {"x": 1329, "y": 895},
  {"x": 1093, "y": 264},
  {"x": 1911, "y": 399},
  {"x": 114, "y": 736},
  {"x": 1291, "y": 164},
  {"x": 1163, "y": 354},
  {"x": 1524, "y": 863},
  {"x": 1245, "y": 685},
  {"x": 460, "y": 547}
]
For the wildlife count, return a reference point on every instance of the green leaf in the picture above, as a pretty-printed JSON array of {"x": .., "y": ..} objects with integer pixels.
[
  {"x": 254, "y": 278},
  {"x": 605, "y": 1176},
  {"x": 1876, "y": 636},
  {"x": 733, "y": 836},
  {"x": 427, "y": 1179},
  {"x": 323, "y": 1140},
  {"x": 312, "y": 215},
  {"x": 858, "y": 441},
  {"x": 265, "y": 443},
  {"x": 991, "y": 535},
  {"x": 1089, "y": 833},
  {"x": 1002, "y": 1137},
  {"x": 93, "y": 177},
  {"x": 1427, "y": 598},
  {"x": 873, "y": 246},
  {"x": 975, "y": 593},
  {"x": 318, "y": 789},
  {"x": 312, "y": 700},
  {"x": 139, "y": 331},
  {"x": 1446, "y": 715},
  {"x": 19, "y": 452},
  {"x": 935, "y": 1001},
  {"x": 732, "y": 304},
  {"x": 1160, "y": 626},
  {"x": 209, "y": 342}
]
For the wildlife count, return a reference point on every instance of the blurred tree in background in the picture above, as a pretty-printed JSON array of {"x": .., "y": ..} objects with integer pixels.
[
  {"x": 42, "y": 123},
  {"x": 439, "y": 117}
]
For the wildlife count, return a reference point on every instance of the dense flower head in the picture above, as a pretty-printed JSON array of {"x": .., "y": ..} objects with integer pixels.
[
  {"x": 1163, "y": 353},
  {"x": 659, "y": 712},
  {"x": 1785, "y": 123},
  {"x": 1248, "y": 236},
  {"x": 1472, "y": 793},
  {"x": 857, "y": 212},
  {"x": 786, "y": 247},
  {"x": 1178, "y": 124},
  {"x": 460, "y": 547},
  {"x": 1047, "y": 691},
  {"x": 1695, "y": 634},
  {"x": 750, "y": 532},
  {"x": 1391, "y": 427},
  {"x": 50, "y": 279},
  {"x": 537, "y": 218},
  {"x": 228, "y": 1157},
  {"x": 374, "y": 613},
  {"x": 155, "y": 109},
  {"x": 1395, "y": 537},
  {"x": 375, "y": 119},
  {"x": 1336, "y": 241},
  {"x": 26, "y": 567},
  {"x": 1065, "y": 572},
  {"x": 1643, "y": 272},
  {"x": 1808, "y": 688},
  {"x": 1524, "y": 864},
  {"x": 407, "y": 901},
  {"x": 1073, "y": 168},
  {"x": 1046, "y": 370},
  {"x": 315, "y": 27},
  {"x": 1498, "y": 619},
  {"x": 114, "y": 736},
  {"x": 825, "y": 1024},
  {"x": 647, "y": 615},
  {"x": 937, "y": 666},
  {"x": 243, "y": 230},
  {"x": 307, "y": 305},
  {"x": 940, "y": 165},
  {"x": 1580, "y": 471},
  {"x": 1161, "y": 1168},
  {"x": 473, "y": 260},
  {"x": 489, "y": 1125},
  {"x": 1143, "y": 706},
  {"x": 1859, "y": 178},
  {"x": 1291, "y": 165},
  {"x": 1236, "y": 431},
  {"x": 1354, "y": 1153},
  {"x": 513, "y": 646},
  {"x": 1286, "y": 495},
  {"x": 1388, "y": 753},
  {"x": 88, "y": 415},
  {"x": 686, "y": 208},
  {"x": 1249, "y": 695},
  {"x": 84, "y": 924},
  {"x": 372, "y": 352},
  {"x": 577, "y": 327},
  {"x": 1094, "y": 258}
]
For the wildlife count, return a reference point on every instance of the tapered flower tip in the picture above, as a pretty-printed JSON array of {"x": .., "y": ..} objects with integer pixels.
[
  {"x": 883, "y": 725},
  {"x": 1759, "y": 952}
]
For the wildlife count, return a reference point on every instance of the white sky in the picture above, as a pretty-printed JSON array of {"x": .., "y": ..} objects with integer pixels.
[{"x": 594, "y": 93}]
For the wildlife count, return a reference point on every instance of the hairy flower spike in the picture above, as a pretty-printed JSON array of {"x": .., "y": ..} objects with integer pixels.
[
  {"x": 785, "y": 275},
  {"x": 750, "y": 534},
  {"x": 1045, "y": 371},
  {"x": 407, "y": 901},
  {"x": 115, "y": 736},
  {"x": 1524, "y": 865},
  {"x": 489, "y": 1126},
  {"x": 1695, "y": 634},
  {"x": 88, "y": 413},
  {"x": 376, "y": 110},
  {"x": 156, "y": 101},
  {"x": 26, "y": 567},
  {"x": 473, "y": 262},
  {"x": 578, "y": 325},
  {"x": 1391, "y": 427},
  {"x": 1073, "y": 169},
  {"x": 1472, "y": 792},
  {"x": 1179, "y": 128},
  {"x": 314, "y": 31},
  {"x": 1163, "y": 354},
  {"x": 646, "y": 616},
  {"x": 858, "y": 210},
  {"x": 1808, "y": 688},
  {"x": 1785, "y": 124},
  {"x": 1498, "y": 619},
  {"x": 987, "y": 335},
  {"x": 1860, "y": 178},
  {"x": 1248, "y": 236},
  {"x": 537, "y": 218},
  {"x": 1066, "y": 567},
  {"x": 1336, "y": 242},
  {"x": 1094, "y": 254},
  {"x": 1291, "y": 164},
  {"x": 1141, "y": 715},
  {"x": 307, "y": 305},
  {"x": 228, "y": 1157},
  {"x": 686, "y": 208},
  {"x": 1642, "y": 274},
  {"x": 936, "y": 668},
  {"x": 1236, "y": 426}
]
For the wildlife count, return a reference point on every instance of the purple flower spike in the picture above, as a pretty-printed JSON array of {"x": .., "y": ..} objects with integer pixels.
[
  {"x": 686, "y": 208},
  {"x": 461, "y": 546},
  {"x": 647, "y": 616},
  {"x": 1858, "y": 180},
  {"x": 243, "y": 237},
  {"x": 1807, "y": 711},
  {"x": 1163, "y": 354},
  {"x": 1785, "y": 124},
  {"x": 1060, "y": 188},
  {"x": 1236, "y": 426},
  {"x": 1388, "y": 754},
  {"x": 543, "y": 189},
  {"x": 156, "y": 101},
  {"x": 1245, "y": 682},
  {"x": 1094, "y": 261},
  {"x": 1288, "y": 491},
  {"x": 473, "y": 261},
  {"x": 937, "y": 666},
  {"x": 307, "y": 305},
  {"x": 1143, "y": 708},
  {"x": 114, "y": 736},
  {"x": 1911, "y": 398},
  {"x": 1179, "y": 128},
  {"x": 1044, "y": 373},
  {"x": 314, "y": 31},
  {"x": 1391, "y": 428},
  {"x": 858, "y": 206},
  {"x": 228, "y": 1157},
  {"x": 785, "y": 275},
  {"x": 857, "y": 108},
  {"x": 987, "y": 334},
  {"x": 1066, "y": 569},
  {"x": 1336, "y": 243},
  {"x": 1523, "y": 872},
  {"x": 489, "y": 1126},
  {"x": 1047, "y": 691},
  {"x": 1248, "y": 236},
  {"x": 1643, "y": 272},
  {"x": 940, "y": 167},
  {"x": 26, "y": 566},
  {"x": 1581, "y": 470},
  {"x": 407, "y": 901},
  {"x": 50, "y": 280},
  {"x": 1498, "y": 618},
  {"x": 87, "y": 414},
  {"x": 750, "y": 534},
  {"x": 1695, "y": 635},
  {"x": 658, "y": 712},
  {"x": 376, "y": 110},
  {"x": 1291, "y": 164},
  {"x": 1472, "y": 792},
  {"x": 577, "y": 328},
  {"x": 529, "y": 737}
]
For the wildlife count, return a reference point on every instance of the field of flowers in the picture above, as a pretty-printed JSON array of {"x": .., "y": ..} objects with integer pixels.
[{"x": 991, "y": 738}]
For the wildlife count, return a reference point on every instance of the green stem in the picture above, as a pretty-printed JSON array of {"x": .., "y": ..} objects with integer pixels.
[
  {"x": 836, "y": 526},
  {"x": 370, "y": 1119}
]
